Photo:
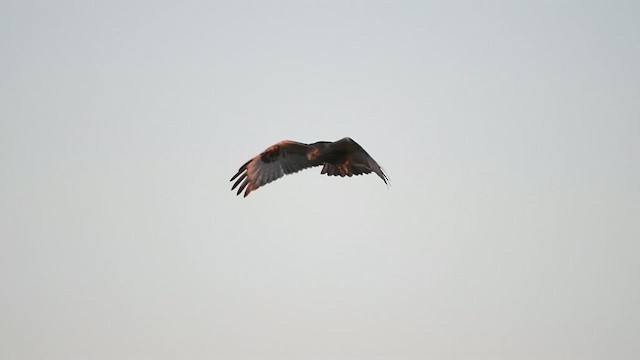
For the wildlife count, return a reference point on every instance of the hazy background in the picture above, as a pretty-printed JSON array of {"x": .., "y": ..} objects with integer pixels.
[{"x": 509, "y": 130}]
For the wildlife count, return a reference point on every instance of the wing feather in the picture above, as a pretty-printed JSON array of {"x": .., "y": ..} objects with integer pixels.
[{"x": 283, "y": 158}]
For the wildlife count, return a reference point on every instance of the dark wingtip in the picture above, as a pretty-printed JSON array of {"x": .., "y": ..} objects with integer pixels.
[
  {"x": 242, "y": 168},
  {"x": 385, "y": 178},
  {"x": 239, "y": 181},
  {"x": 249, "y": 190}
]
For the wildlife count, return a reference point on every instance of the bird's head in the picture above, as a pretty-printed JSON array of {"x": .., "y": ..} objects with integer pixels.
[{"x": 316, "y": 149}]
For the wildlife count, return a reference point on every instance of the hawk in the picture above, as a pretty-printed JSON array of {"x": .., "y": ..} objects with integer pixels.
[{"x": 339, "y": 158}]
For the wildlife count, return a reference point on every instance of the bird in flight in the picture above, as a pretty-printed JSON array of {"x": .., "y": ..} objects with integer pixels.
[{"x": 340, "y": 158}]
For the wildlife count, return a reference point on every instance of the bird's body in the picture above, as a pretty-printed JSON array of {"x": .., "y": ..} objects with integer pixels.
[{"x": 340, "y": 158}]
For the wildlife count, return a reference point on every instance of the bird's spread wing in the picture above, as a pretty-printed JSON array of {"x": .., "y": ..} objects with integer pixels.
[
  {"x": 283, "y": 158},
  {"x": 356, "y": 161}
]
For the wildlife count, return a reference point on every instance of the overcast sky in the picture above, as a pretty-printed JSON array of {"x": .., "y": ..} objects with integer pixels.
[{"x": 509, "y": 130}]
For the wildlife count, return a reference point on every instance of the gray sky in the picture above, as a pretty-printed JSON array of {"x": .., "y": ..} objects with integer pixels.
[{"x": 509, "y": 131}]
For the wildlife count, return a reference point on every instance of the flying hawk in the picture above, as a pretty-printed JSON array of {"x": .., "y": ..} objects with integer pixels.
[{"x": 340, "y": 158}]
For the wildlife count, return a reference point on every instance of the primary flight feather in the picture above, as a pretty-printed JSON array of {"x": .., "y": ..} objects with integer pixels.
[{"x": 340, "y": 158}]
